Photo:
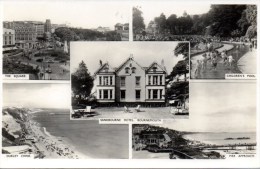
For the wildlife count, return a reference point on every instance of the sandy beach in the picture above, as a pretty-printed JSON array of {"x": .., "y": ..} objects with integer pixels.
[
  {"x": 84, "y": 137},
  {"x": 48, "y": 145}
]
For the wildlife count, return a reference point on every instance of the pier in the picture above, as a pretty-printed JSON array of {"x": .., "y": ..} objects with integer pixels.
[{"x": 248, "y": 146}]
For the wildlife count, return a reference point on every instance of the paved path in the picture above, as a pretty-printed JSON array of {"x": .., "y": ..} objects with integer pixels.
[
  {"x": 247, "y": 63},
  {"x": 209, "y": 73}
]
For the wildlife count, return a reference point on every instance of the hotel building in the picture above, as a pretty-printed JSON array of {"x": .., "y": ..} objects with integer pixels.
[{"x": 130, "y": 83}]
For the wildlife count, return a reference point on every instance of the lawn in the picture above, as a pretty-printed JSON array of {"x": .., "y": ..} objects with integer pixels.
[{"x": 148, "y": 113}]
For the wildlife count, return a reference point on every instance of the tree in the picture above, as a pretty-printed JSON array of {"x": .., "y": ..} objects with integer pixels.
[
  {"x": 251, "y": 15},
  {"x": 172, "y": 23},
  {"x": 179, "y": 88},
  {"x": 182, "y": 48},
  {"x": 138, "y": 20},
  {"x": 161, "y": 22},
  {"x": 82, "y": 82},
  {"x": 243, "y": 23},
  {"x": 224, "y": 19}
]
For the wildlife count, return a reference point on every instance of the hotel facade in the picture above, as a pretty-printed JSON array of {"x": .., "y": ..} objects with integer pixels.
[{"x": 130, "y": 83}]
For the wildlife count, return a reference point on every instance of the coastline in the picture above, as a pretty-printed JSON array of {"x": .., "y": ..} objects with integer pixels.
[{"x": 48, "y": 145}]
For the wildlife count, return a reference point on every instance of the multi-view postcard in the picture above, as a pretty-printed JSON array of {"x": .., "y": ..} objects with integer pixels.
[{"x": 136, "y": 84}]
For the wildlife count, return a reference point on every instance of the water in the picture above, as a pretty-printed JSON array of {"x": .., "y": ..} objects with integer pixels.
[
  {"x": 87, "y": 136},
  {"x": 219, "y": 138},
  {"x": 221, "y": 70}
]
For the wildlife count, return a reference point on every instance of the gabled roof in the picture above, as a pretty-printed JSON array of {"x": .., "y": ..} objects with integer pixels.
[
  {"x": 155, "y": 63},
  {"x": 100, "y": 68},
  {"x": 125, "y": 62}
]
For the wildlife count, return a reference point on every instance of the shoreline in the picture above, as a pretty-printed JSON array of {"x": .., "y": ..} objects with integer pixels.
[{"x": 48, "y": 145}]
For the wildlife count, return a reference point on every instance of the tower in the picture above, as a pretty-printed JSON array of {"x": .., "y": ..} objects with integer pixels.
[{"x": 47, "y": 26}]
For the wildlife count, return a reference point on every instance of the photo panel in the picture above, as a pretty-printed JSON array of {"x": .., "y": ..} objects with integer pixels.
[
  {"x": 36, "y": 124},
  {"x": 223, "y": 37},
  {"x": 130, "y": 80},
  {"x": 37, "y": 47},
  {"x": 222, "y": 125}
]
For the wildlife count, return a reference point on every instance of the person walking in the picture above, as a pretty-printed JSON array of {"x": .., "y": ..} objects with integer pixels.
[
  {"x": 230, "y": 60},
  {"x": 251, "y": 46},
  {"x": 214, "y": 62},
  {"x": 198, "y": 69},
  {"x": 204, "y": 62}
]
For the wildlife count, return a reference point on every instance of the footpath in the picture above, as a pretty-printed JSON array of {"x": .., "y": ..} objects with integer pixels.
[{"x": 247, "y": 63}]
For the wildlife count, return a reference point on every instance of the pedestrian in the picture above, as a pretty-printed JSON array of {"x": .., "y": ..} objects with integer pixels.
[
  {"x": 251, "y": 46},
  {"x": 230, "y": 60},
  {"x": 204, "y": 62},
  {"x": 214, "y": 63},
  {"x": 198, "y": 69}
]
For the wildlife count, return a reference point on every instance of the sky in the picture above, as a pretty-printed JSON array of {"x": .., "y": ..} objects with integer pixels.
[
  {"x": 115, "y": 53},
  {"x": 36, "y": 95},
  {"x": 154, "y": 9},
  {"x": 220, "y": 107},
  {"x": 86, "y": 14}
]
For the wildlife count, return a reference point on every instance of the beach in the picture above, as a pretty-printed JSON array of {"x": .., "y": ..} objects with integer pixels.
[
  {"x": 47, "y": 145},
  {"x": 59, "y": 137}
]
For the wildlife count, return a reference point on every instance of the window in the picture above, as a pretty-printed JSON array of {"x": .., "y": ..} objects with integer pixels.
[
  {"x": 111, "y": 80},
  {"x": 161, "y": 96},
  {"x": 105, "y": 94},
  {"x": 149, "y": 80},
  {"x": 127, "y": 70},
  {"x": 122, "y": 94},
  {"x": 154, "y": 69},
  {"x": 133, "y": 69},
  {"x": 137, "y": 81},
  {"x": 122, "y": 81},
  {"x": 100, "y": 94},
  {"x": 155, "y": 94},
  {"x": 161, "y": 80},
  {"x": 155, "y": 80},
  {"x": 100, "y": 80},
  {"x": 105, "y": 81},
  {"x": 137, "y": 94},
  {"x": 149, "y": 93},
  {"x": 111, "y": 94}
]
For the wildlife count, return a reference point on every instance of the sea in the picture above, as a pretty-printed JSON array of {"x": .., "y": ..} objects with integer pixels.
[
  {"x": 87, "y": 136},
  {"x": 220, "y": 138}
]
